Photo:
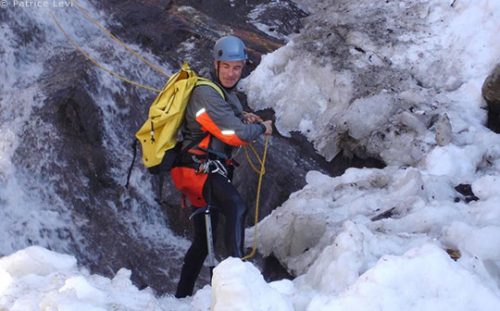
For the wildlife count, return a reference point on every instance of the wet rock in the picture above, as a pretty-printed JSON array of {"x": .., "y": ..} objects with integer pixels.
[
  {"x": 165, "y": 27},
  {"x": 491, "y": 90},
  {"x": 278, "y": 19},
  {"x": 104, "y": 239},
  {"x": 491, "y": 93},
  {"x": 465, "y": 193},
  {"x": 384, "y": 215},
  {"x": 454, "y": 254}
]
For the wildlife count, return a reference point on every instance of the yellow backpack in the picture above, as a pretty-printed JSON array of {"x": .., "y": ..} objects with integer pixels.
[{"x": 158, "y": 134}]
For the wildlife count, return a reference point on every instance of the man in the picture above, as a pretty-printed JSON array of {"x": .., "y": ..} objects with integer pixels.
[{"x": 213, "y": 126}]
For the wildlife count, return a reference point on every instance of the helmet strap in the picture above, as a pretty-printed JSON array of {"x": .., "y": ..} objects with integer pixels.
[{"x": 217, "y": 66}]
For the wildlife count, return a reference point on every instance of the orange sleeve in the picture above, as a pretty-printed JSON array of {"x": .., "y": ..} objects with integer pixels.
[{"x": 227, "y": 136}]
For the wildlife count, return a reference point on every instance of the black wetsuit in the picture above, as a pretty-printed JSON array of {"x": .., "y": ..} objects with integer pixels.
[{"x": 226, "y": 200}]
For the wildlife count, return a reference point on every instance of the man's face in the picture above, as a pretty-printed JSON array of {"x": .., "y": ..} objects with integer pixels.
[{"x": 229, "y": 72}]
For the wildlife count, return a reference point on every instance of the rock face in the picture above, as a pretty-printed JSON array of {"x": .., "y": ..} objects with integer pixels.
[
  {"x": 108, "y": 234},
  {"x": 491, "y": 93},
  {"x": 186, "y": 30}
]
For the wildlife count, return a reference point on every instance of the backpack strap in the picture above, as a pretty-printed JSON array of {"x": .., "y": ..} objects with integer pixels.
[
  {"x": 218, "y": 89},
  {"x": 204, "y": 81},
  {"x": 134, "y": 147}
]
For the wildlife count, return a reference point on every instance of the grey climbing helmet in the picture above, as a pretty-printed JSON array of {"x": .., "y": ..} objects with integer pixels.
[{"x": 230, "y": 48}]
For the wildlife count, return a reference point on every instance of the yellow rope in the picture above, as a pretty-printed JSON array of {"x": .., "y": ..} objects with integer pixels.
[
  {"x": 257, "y": 199},
  {"x": 116, "y": 39},
  {"x": 250, "y": 161},
  {"x": 95, "y": 62}
]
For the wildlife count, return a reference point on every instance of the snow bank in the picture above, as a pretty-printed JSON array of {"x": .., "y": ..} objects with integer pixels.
[
  {"x": 423, "y": 279},
  {"x": 410, "y": 94},
  {"x": 38, "y": 279},
  {"x": 336, "y": 229},
  {"x": 361, "y": 78},
  {"x": 239, "y": 285}
]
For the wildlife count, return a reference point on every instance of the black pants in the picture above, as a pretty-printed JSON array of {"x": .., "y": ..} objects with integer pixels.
[{"x": 224, "y": 198}]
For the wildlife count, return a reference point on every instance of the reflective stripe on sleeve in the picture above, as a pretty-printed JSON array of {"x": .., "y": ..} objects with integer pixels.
[
  {"x": 227, "y": 136},
  {"x": 202, "y": 110},
  {"x": 227, "y": 132}
]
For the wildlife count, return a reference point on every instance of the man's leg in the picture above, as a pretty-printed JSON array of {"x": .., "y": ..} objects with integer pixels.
[
  {"x": 195, "y": 256},
  {"x": 230, "y": 203}
]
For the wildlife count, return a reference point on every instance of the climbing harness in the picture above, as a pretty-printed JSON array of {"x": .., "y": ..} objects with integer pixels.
[{"x": 211, "y": 167}]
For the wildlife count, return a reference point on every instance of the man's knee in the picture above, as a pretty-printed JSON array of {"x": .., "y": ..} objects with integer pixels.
[{"x": 241, "y": 208}]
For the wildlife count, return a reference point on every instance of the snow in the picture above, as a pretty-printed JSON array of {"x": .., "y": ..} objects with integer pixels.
[
  {"x": 370, "y": 239},
  {"x": 38, "y": 279},
  {"x": 432, "y": 62},
  {"x": 238, "y": 284},
  {"x": 398, "y": 283},
  {"x": 308, "y": 101}
]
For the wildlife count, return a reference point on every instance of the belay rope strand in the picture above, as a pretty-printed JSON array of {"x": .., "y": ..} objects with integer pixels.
[
  {"x": 117, "y": 40},
  {"x": 95, "y": 62},
  {"x": 261, "y": 172},
  {"x": 261, "y": 161}
]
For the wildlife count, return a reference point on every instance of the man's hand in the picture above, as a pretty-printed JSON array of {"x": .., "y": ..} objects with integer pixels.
[
  {"x": 249, "y": 118},
  {"x": 269, "y": 127}
]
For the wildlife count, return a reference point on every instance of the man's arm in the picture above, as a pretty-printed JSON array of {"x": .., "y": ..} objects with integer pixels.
[{"x": 216, "y": 116}]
